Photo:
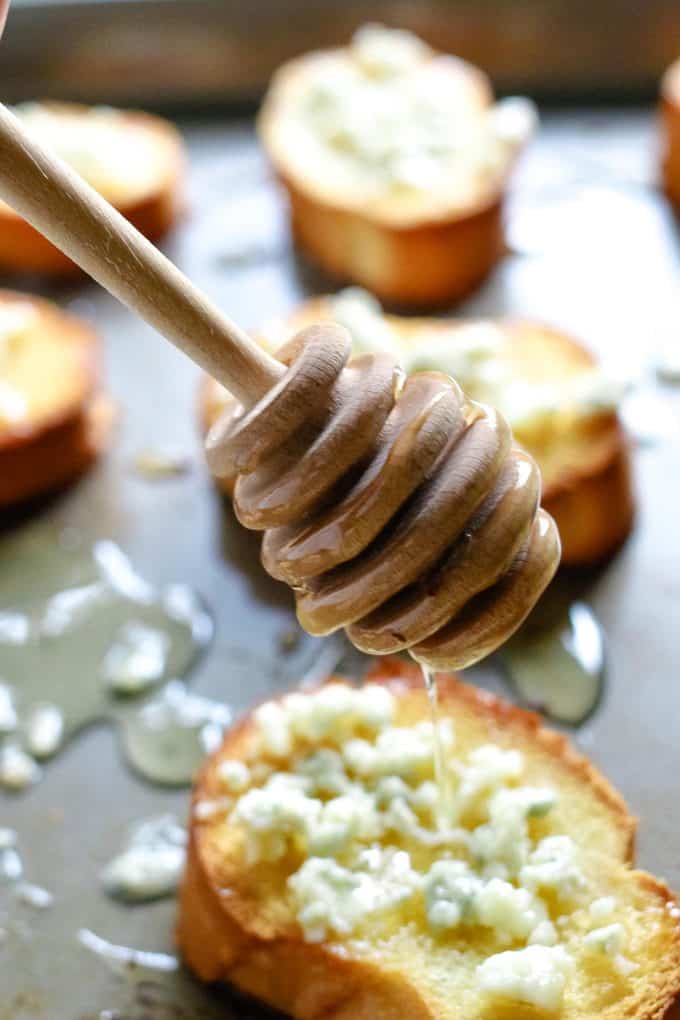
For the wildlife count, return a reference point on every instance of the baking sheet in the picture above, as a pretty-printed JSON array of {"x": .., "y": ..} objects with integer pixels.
[{"x": 595, "y": 251}]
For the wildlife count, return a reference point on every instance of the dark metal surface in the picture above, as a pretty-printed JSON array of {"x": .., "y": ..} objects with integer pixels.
[
  {"x": 210, "y": 51},
  {"x": 595, "y": 252}
]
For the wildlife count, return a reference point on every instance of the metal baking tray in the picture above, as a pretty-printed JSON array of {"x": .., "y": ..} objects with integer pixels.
[{"x": 594, "y": 250}]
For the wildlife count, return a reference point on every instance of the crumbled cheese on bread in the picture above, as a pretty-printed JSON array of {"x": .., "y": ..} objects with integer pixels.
[
  {"x": 99, "y": 142},
  {"x": 553, "y": 865},
  {"x": 348, "y": 800},
  {"x": 235, "y": 775},
  {"x": 474, "y": 354},
  {"x": 602, "y": 908},
  {"x": 387, "y": 116},
  {"x": 536, "y": 975},
  {"x": 336, "y": 899}
]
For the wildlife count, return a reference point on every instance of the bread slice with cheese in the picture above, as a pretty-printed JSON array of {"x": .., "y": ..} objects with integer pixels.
[
  {"x": 670, "y": 122},
  {"x": 396, "y": 162},
  {"x": 561, "y": 408},
  {"x": 135, "y": 160},
  {"x": 328, "y": 878},
  {"x": 55, "y": 418}
]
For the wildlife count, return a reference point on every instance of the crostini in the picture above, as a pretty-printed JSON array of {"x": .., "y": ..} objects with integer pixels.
[
  {"x": 396, "y": 161},
  {"x": 135, "y": 160},
  {"x": 332, "y": 872},
  {"x": 55, "y": 418},
  {"x": 561, "y": 407},
  {"x": 670, "y": 122}
]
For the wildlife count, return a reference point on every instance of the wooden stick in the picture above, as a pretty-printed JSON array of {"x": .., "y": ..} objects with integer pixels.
[{"x": 75, "y": 218}]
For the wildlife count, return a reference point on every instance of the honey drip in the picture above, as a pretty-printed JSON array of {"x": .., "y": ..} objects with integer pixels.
[{"x": 441, "y": 775}]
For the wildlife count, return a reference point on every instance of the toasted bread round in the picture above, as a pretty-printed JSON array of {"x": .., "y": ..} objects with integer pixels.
[
  {"x": 670, "y": 120},
  {"x": 236, "y": 922},
  {"x": 135, "y": 160},
  {"x": 425, "y": 248},
  {"x": 54, "y": 417},
  {"x": 584, "y": 458}
]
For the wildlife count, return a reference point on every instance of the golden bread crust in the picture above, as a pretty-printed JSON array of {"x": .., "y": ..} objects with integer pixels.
[
  {"x": 227, "y": 933},
  {"x": 433, "y": 260},
  {"x": 24, "y": 250},
  {"x": 428, "y": 266},
  {"x": 69, "y": 421},
  {"x": 586, "y": 469}
]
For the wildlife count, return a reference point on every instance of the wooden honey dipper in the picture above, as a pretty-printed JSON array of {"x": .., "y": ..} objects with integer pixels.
[{"x": 394, "y": 507}]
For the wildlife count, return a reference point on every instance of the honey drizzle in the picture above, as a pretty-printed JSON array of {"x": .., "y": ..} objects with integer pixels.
[{"x": 440, "y": 771}]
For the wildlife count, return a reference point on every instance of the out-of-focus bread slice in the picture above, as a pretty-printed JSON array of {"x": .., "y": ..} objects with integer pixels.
[
  {"x": 55, "y": 418},
  {"x": 424, "y": 253},
  {"x": 584, "y": 458},
  {"x": 236, "y": 922},
  {"x": 670, "y": 122},
  {"x": 150, "y": 199}
]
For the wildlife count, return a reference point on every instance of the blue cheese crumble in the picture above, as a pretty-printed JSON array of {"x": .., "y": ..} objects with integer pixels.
[
  {"x": 335, "y": 900},
  {"x": 536, "y": 975}
]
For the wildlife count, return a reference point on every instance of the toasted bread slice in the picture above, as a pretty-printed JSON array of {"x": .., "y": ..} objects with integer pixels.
[
  {"x": 375, "y": 196},
  {"x": 582, "y": 452},
  {"x": 135, "y": 160},
  {"x": 54, "y": 417},
  {"x": 670, "y": 120},
  {"x": 240, "y": 919}
]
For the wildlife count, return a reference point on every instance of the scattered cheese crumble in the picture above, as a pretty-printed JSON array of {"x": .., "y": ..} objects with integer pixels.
[
  {"x": 17, "y": 768},
  {"x": 355, "y": 814}
]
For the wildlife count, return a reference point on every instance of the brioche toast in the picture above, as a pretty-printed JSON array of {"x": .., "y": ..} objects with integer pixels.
[
  {"x": 54, "y": 416},
  {"x": 670, "y": 121},
  {"x": 371, "y": 908},
  {"x": 135, "y": 160},
  {"x": 580, "y": 448},
  {"x": 396, "y": 162}
]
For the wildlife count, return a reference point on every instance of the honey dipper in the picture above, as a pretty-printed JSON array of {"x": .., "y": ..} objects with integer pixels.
[{"x": 394, "y": 507}]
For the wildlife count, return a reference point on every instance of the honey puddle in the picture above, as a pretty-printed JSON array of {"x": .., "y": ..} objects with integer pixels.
[
  {"x": 86, "y": 639},
  {"x": 559, "y": 667}
]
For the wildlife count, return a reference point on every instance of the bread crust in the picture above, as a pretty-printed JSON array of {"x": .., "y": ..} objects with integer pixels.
[
  {"x": 222, "y": 938},
  {"x": 24, "y": 250},
  {"x": 670, "y": 120},
  {"x": 590, "y": 497},
  {"x": 595, "y": 509},
  {"x": 433, "y": 260},
  {"x": 47, "y": 450},
  {"x": 431, "y": 266}
]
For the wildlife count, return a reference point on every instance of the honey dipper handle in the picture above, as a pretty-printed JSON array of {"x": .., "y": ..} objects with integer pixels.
[{"x": 74, "y": 217}]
